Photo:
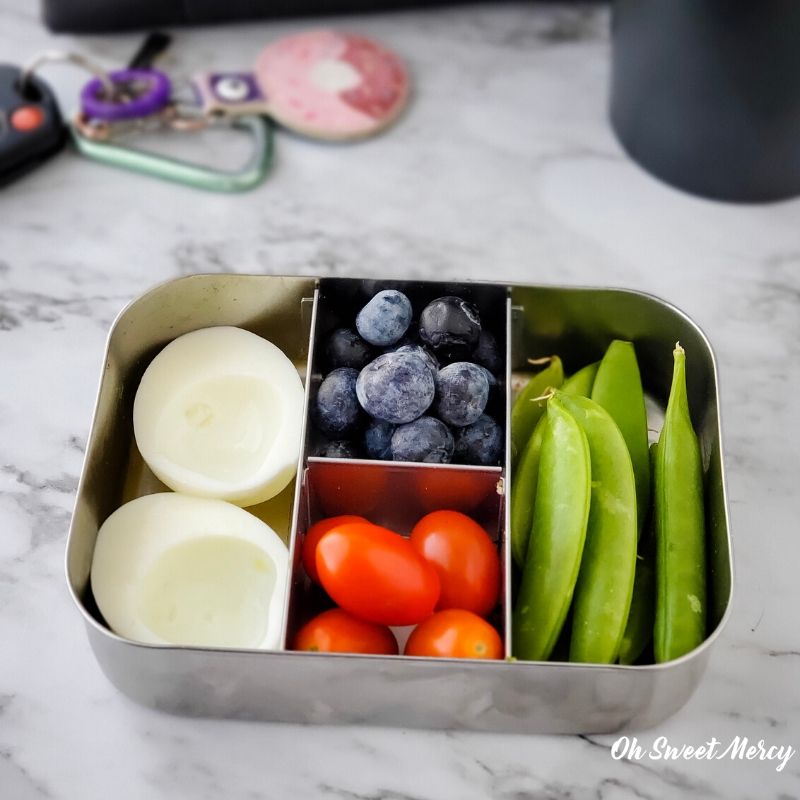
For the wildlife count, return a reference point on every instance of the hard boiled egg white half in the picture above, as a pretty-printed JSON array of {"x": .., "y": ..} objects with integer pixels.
[
  {"x": 219, "y": 413},
  {"x": 174, "y": 569}
]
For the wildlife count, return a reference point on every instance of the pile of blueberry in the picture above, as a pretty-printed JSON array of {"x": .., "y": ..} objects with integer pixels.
[{"x": 398, "y": 395}]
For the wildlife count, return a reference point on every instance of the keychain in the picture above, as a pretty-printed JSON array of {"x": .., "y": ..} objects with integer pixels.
[
  {"x": 322, "y": 84},
  {"x": 101, "y": 129},
  {"x": 145, "y": 100}
]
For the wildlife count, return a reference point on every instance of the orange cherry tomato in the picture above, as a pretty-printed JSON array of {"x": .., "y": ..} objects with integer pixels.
[
  {"x": 336, "y": 631},
  {"x": 454, "y": 634},
  {"x": 376, "y": 574},
  {"x": 465, "y": 558},
  {"x": 314, "y": 534}
]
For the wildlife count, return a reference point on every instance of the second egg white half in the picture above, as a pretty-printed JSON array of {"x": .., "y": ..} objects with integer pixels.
[{"x": 174, "y": 569}]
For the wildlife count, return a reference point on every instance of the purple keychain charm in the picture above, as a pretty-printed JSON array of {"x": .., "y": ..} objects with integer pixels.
[{"x": 149, "y": 91}]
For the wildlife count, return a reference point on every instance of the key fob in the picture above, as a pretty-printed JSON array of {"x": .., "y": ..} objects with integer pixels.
[
  {"x": 31, "y": 128},
  {"x": 327, "y": 85}
]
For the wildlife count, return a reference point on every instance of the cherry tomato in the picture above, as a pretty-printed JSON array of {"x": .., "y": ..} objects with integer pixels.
[
  {"x": 314, "y": 534},
  {"x": 454, "y": 634},
  {"x": 465, "y": 558},
  {"x": 336, "y": 631},
  {"x": 376, "y": 574}
]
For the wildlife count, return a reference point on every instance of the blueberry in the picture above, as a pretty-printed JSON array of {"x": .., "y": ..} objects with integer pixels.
[
  {"x": 345, "y": 348},
  {"x": 480, "y": 443},
  {"x": 378, "y": 439},
  {"x": 336, "y": 407},
  {"x": 423, "y": 352},
  {"x": 338, "y": 449},
  {"x": 425, "y": 439},
  {"x": 462, "y": 392},
  {"x": 395, "y": 387},
  {"x": 385, "y": 319},
  {"x": 487, "y": 353},
  {"x": 451, "y": 326}
]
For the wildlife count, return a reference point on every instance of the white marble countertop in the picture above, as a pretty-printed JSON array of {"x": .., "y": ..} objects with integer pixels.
[{"x": 504, "y": 168}]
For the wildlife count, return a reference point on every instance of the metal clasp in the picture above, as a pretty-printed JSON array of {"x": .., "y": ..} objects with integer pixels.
[
  {"x": 98, "y": 140},
  {"x": 100, "y": 135}
]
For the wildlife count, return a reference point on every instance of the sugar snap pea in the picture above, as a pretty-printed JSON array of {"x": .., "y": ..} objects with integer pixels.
[
  {"x": 560, "y": 514},
  {"x": 523, "y": 493},
  {"x": 639, "y": 628},
  {"x": 523, "y": 482},
  {"x": 582, "y": 381},
  {"x": 605, "y": 582},
  {"x": 528, "y": 408},
  {"x": 680, "y": 623},
  {"x": 618, "y": 388}
]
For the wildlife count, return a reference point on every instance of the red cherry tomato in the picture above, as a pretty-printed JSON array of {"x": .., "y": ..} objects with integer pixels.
[
  {"x": 336, "y": 631},
  {"x": 455, "y": 634},
  {"x": 465, "y": 558},
  {"x": 314, "y": 534},
  {"x": 376, "y": 574}
]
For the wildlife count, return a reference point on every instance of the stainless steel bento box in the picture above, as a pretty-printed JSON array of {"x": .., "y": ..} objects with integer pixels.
[{"x": 507, "y": 696}]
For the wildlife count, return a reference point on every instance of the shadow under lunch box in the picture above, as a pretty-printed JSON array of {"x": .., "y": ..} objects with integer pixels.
[{"x": 304, "y": 687}]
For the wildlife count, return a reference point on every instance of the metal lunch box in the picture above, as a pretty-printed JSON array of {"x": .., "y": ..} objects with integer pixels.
[{"x": 505, "y": 696}]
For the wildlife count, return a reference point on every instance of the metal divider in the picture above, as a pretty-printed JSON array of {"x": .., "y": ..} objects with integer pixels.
[
  {"x": 300, "y": 479},
  {"x": 506, "y": 533}
]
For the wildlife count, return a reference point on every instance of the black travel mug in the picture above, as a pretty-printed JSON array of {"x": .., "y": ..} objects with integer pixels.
[{"x": 705, "y": 94}]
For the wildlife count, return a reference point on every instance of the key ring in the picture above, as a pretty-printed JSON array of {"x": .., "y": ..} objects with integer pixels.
[
  {"x": 72, "y": 58},
  {"x": 153, "y": 98},
  {"x": 170, "y": 117}
]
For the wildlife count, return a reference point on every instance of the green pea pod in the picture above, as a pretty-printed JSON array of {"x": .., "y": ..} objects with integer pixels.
[
  {"x": 639, "y": 629},
  {"x": 605, "y": 583},
  {"x": 680, "y": 624},
  {"x": 582, "y": 381},
  {"x": 618, "y": 388},
  {"x": 523, "y": 482},
  {"x": 527, "y": 409},
  {"x": 523, "y": 493},
  {"x": 558, "y": 532}
]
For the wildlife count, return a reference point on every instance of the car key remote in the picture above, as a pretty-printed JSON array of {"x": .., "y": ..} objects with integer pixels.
[{"x": 31, "y": 128}]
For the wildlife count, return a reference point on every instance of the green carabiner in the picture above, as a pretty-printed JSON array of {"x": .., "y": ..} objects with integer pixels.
[{"x": 247, "y": 177}]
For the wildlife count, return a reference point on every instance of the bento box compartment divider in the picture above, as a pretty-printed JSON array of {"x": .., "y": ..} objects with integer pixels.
[
  {"x": 300, "y": 479},
  {"x": 506, "y": 522}
]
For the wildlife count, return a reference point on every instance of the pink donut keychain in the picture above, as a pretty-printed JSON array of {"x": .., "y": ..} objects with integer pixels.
[{"x": 323, "y": 84}]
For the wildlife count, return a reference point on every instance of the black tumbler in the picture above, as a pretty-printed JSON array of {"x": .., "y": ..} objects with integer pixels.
[{"x": 705, "y": 94}]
